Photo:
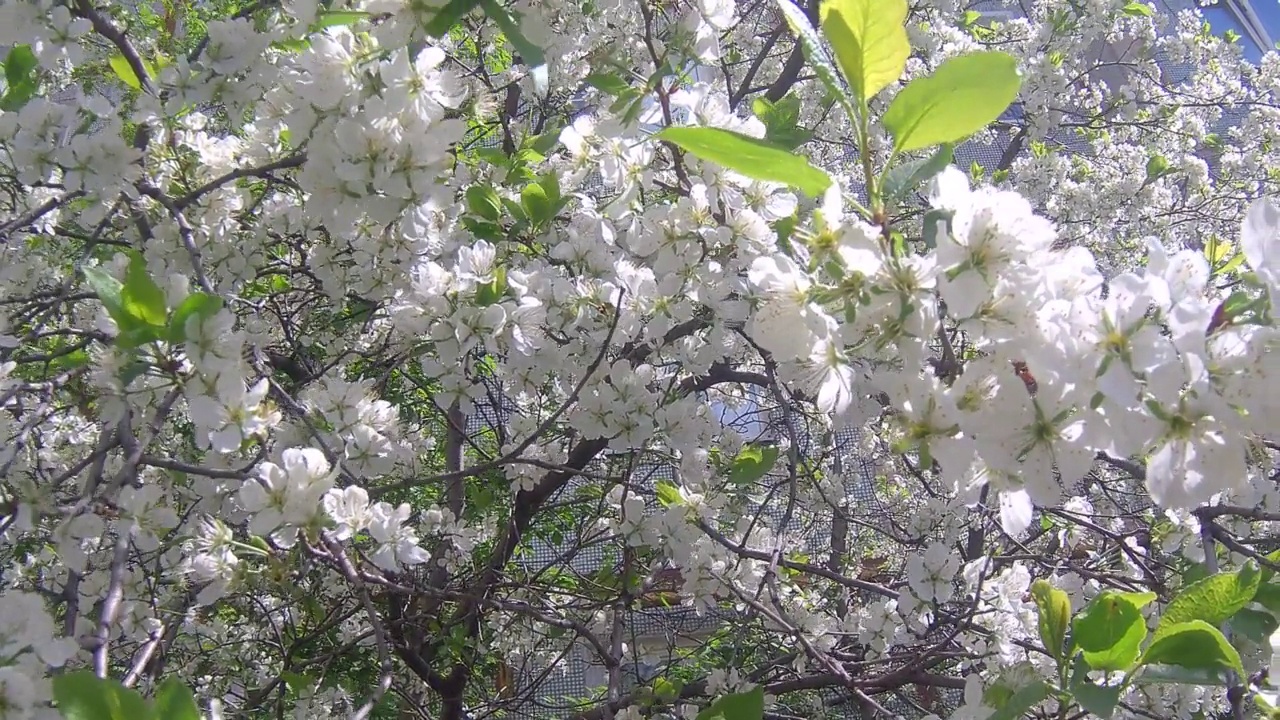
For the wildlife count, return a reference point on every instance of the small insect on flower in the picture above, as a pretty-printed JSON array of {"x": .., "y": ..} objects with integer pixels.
[{"x": 1020, "y": 369}]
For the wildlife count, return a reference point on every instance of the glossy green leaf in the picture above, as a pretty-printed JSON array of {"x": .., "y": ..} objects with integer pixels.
[
  {"x": 1021, "y": 701},
  {"x": 908, "y": 176},
  {"x": 1110, "y": 631},
  {"x": 338, "y": 18},
  {"x": 198, "y": 304},
  {"x": 537, "y": 206},
  {"x": 738, "y": 706},
  {"x": 19, "y": 64},
  {"x": 1272, "y": 557},
  {"x": 492, "y": 291},
  {"x": 1054, "y": 615},
  {"x": 667, "y": 689},
  {"x": 1157, "y": 673},
  {"x": 547, "y": 141},
  {"x": 18, "y": 95},
  {"x": 961, "y": 97},
  {"x": 141, "y": 297},
  {"x": 869, "y": 41},
  {"x": 1193, "y": 644},
  {"x": 609, "y": 83},
  {"x": 109, "y": 291},
  {"x": 550, "y": 184},
  {"x": 1138, "y": 9},
  {"x": 1268, "y": 595},
  {"x": 1139, "y": 599},
  {"x": 752, "y": 463},
  {"x": 668, "y": 494},
  {"x": 1256, "y": 625},
  {"x": 175, "y": 701},
  {"x": 483, "y": 200},
  {"x": 449, "y": 15},
  {"x": 123, "y": 70},
  {"x": 297, "y": 682},
  {"x": 81, "y": 695},
  {"x": 1157, "y": 167},
  {"x": 781, "y": 120},
  {"x": 127, "y": 704},
  {"x": 748, "y": 156},
  {"x": 1097, "y": 700},
  {"x": 1213, "y": 599},
  {"x": 814, "y": 52}
]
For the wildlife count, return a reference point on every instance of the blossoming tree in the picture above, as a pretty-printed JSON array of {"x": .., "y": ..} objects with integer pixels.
[{"x": 318, "y": 319}]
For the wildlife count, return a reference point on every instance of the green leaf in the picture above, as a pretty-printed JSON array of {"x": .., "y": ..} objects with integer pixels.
[
  {"x": 869, "y": 40},
  {"x": 1110, "y": 631},
  {"x": 780, "y": 121},
  {"x": 752, "y": 463},
  {"x": 109, "y": 291},
  {"x": 1272, "y": 557},
  {"x": 297, "y": 682},
  {"x": 338, "y": 18},
  {"x": 175, "y": 701},
  {"x": 293, "y": 45},
  {"x": 738, "y": 706},
  {"x": 1099, "y": 700},
  {"x": 550, "y": 184},
  {"x": 1157, "y": 673},
  {"x": 815, "y": 53},
  {"x": 448, "y": 16},
  {"x": 483, "y": 201},
  {"x": 1054, "y": 615},
  {"x": 537, "y": 206},
  {"x": 19, "y": 72},
  {"x": 1138, "y": 9},
  {"x": 530, "y": 54},
  {"x": 492, "y": 292},
  {"x": 1213, "y": 599},
  {"x": 961, "y": 97},
  {"x": 123, "y": 70},
  {"x": 1139, "y": 599},
  {"x": 667, "y": 690},
  {"x": 908, "y": 176},
  {"x": 608, "y": 83},
  {"x": 547, "y": 141},
  {"x": 18, "y": 95},
  {"x": 81, "y": 695},
  {"x": 1193, "y": 644},
  {"x": 133, "y": 368},
  {"x": 1256, "y": 625},
  {"x": 199, "y": 304},
  {"x": 19, "y": 64},
  {"x": 1268, "y": 596},
  {"x": 140, "y": 295},
  {"x": 748, "y": 156},
  {"x": 668, "y": 494},
  {"x": 1021, "y": 701},
  {"x": 1157, "y": 167}
]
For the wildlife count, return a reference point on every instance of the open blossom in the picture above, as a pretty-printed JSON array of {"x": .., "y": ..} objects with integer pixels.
[
  {"x": 349, "y": 508},
  {"x": 233, "y": 415},
  {"x": 284, "y": 498},
  {"x": 397, "y": 542}
]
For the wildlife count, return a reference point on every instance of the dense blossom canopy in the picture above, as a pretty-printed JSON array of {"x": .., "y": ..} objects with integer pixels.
[{"x": 373, "y": 358}]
